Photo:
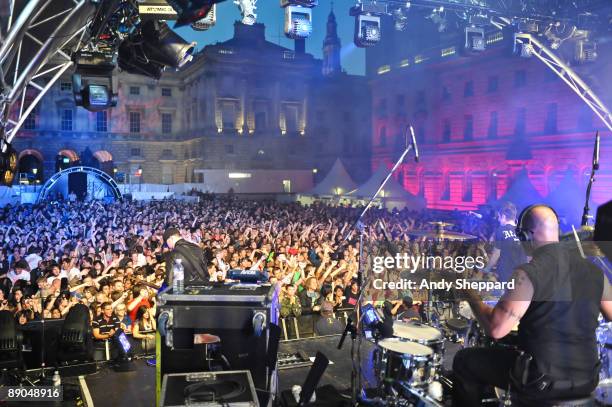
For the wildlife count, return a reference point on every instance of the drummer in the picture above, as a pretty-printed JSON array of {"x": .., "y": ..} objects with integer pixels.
[
  {"x": 557, "y": 299},
  {"x": 507, "y": 252}
]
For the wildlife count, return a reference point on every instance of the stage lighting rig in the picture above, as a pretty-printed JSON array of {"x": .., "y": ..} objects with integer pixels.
[
  {"x": 298, "y": 17},
  {"x": 190, "y": 11},
  {"x": 8, "y": 164},
  {"x": 92, "y": 82},
  {"x": 153, "y": 49},
  {"x": 474, "y": 39},
  {"x": 400, "y": 20},
  {"x": 367, "y": 23},
  {"x": 207, "y": 22}
]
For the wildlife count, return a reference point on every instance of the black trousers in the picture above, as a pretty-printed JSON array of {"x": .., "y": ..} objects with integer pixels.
[{"x": 477, "y": 369}]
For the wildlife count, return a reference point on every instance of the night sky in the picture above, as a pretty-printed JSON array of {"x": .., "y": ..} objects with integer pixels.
[{"x": 272, "y": 15}]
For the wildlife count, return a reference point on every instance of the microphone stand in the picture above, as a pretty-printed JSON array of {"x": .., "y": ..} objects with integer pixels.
[
  {"x": 360, "y": 226},
  {"x": 585, "y": 213}
]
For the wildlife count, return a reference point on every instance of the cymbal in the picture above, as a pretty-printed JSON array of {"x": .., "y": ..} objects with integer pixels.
[
  {"x": 441, "y": 234},
  {"x": 441, "y": 225}
]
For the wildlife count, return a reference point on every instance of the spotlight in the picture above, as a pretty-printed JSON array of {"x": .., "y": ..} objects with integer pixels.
[
  {"x": 247, "y": 10},
  {"x": 474, "y": 39},
  {"x": 156, "y": 47},
  {"x": 367, "y": 23},
  {"x": 92, "y": 82},
  {"x": 400, "y": 20},
  {"x": 298, "y": 22},
  {"x": 8, "y": 165},
  {"x": 585, "y": 51},
  {"x": 207, "y": 22},
  {"x": 298, "y": 18},
  {"x": 522, "y": 49},
  {"x": 367, "y": 30},
  {"x": 190, "y": 11}
]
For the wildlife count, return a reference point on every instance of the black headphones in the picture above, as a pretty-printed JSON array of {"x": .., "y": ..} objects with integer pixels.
[{"x": 524, "y": 234}]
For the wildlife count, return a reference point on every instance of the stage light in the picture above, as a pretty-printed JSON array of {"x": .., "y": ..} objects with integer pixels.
[
  {"x": 8, "y": 165},
  {"x": 585, "y": 51},
  {"x": 139, "y": 172},
  {"x": 92, "y": 82},
  {"x": 207, "y": 22},
  {"x": 155, "y": 48},
  {"x": 522, "y": 49},
  {"x": 190, "y": 11},
  {"x": 400, "y": 20},
  {"x": 474, "y": 39},
  {"x": 298, "y": 22},
  {"x": 367, "y": 30},
  {"x": 247, "y": 10}
]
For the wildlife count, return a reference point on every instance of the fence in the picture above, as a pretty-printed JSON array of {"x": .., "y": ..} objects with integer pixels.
[{"x": 305, "y": 326}]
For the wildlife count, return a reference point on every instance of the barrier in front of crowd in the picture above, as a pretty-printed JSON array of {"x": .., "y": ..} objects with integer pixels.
[{"x": 303, "y": 326}]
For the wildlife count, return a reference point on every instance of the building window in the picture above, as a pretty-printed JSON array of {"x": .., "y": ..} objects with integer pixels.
[
  {"x": 446, "y": 95},
  {"x": 291, "y": 119},
  {"x": 446, "y": 188},
  {"x": 520, "y": 78},
  {"x": 467, "y": 188},
  {"x": 468, "y": 89},
  {"x": 493, "y": 84},
  {"x": 134, "y": 122},
  {"x": 382, "y": 108},
  {"x": 166, "y": 92},
  {"x": 520, "y": 129},
  {"x": 383, "y": 136},
  {"x": 30, "y": 121},
  {"x": 468, "y": 130},
  {"x": 135, "y": 152},
  {"x": 66, "y": 86},
  {"x": 66, "y": 122},
  {"x": 229, "y": 149},
  {"x": 446, "y": 133},
  {"x": 228, "y": 115},
  {"x": 492, "y": 133},
  {"x": 166, "y": 123},
  {"x": 551, "y": 119},
  {"x": 102, "y": 121},
  {"x": 135, "y": 90}
]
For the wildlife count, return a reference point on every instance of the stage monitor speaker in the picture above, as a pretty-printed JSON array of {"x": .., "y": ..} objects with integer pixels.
[{"x": 77, "y": 183}]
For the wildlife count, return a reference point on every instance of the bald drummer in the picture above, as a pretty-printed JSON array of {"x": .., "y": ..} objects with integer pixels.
[{"x": 557, "y": 299}]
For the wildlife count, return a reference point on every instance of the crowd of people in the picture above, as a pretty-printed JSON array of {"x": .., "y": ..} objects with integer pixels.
[{"x": 111, "y": 257}]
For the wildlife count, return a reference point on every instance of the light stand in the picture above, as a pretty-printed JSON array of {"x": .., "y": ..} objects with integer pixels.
[
  {"x": 595, "y": 167},
  {"x": 360, "y": 226}
]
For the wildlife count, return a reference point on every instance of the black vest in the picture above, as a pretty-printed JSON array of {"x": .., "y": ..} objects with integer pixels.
[{"x": 558, "y": 329}]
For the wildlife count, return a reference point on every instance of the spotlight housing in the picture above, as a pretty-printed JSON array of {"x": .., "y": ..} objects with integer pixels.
[
  {"x": 8, "y": 165},
  {"x": 190, "y": 11},
  {"x": 207, "y": 22},
  {"x": 155, "y": 48},
  {"x": 474, "y": 40},
  {"x": 367, "y": 30},
  {"x": 298, "y": 22},
  {"x": 399, "y": 19},
  {"x": 585, "y": 51},
  {"x": 92, "y": 82}
]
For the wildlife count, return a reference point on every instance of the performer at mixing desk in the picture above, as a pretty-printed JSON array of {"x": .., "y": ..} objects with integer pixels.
[
  {"x": 557, "y": 299},
  {"x": 507, "y": 253},
  {"x": 194, "y": 259}
]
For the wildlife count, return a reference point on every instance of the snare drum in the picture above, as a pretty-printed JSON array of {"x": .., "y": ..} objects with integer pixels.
[
  {"x": 422, "y": 334},
  {"x": 406, "y": 361}
]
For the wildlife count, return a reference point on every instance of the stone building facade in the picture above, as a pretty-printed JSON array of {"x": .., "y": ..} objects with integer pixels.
[
  {"x": 243, "y": 104},
  {"x": 482, "y": 119}
]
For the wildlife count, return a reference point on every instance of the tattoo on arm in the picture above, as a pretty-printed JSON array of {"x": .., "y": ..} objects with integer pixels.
[{"x": 509, "y": 312}]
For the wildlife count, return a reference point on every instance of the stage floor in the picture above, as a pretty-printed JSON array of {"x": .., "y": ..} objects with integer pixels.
[{"x": 137, "y": 388}]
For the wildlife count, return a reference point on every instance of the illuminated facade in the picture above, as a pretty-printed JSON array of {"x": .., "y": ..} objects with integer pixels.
[
  {"x": 243, "y": 104},
  {"x": 480, "y": 120}
]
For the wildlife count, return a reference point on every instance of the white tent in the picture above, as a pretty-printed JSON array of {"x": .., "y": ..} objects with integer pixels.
[
  {"x": 393, "y": 194},
  {"x": 336, "y": 182}
]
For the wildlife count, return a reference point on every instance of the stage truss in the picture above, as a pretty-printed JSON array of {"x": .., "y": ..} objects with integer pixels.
[{"x": 91, "y": 189}]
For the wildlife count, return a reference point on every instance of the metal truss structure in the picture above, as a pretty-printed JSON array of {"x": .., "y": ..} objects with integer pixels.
[
  {"x": 42, "y": 36},
  {"x": 540, "y": 51},
  {"x": 98, "y": 174}
]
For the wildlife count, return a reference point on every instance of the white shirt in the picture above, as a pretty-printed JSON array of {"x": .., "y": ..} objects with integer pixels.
[
  {"x": 24, "y": 275},
  {"x": 33, "y": 260}
]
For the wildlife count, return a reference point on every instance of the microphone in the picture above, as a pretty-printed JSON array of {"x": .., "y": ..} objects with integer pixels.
[
  {"x": 596, "y": 152},
  {"x": 476, "y": 214},
  {"x": 414, "y": 145},
  {"x": 347, "y": 329}
]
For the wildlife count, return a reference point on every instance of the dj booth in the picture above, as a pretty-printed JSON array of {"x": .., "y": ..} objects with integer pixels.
[{"x": 214, "y": 328}]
